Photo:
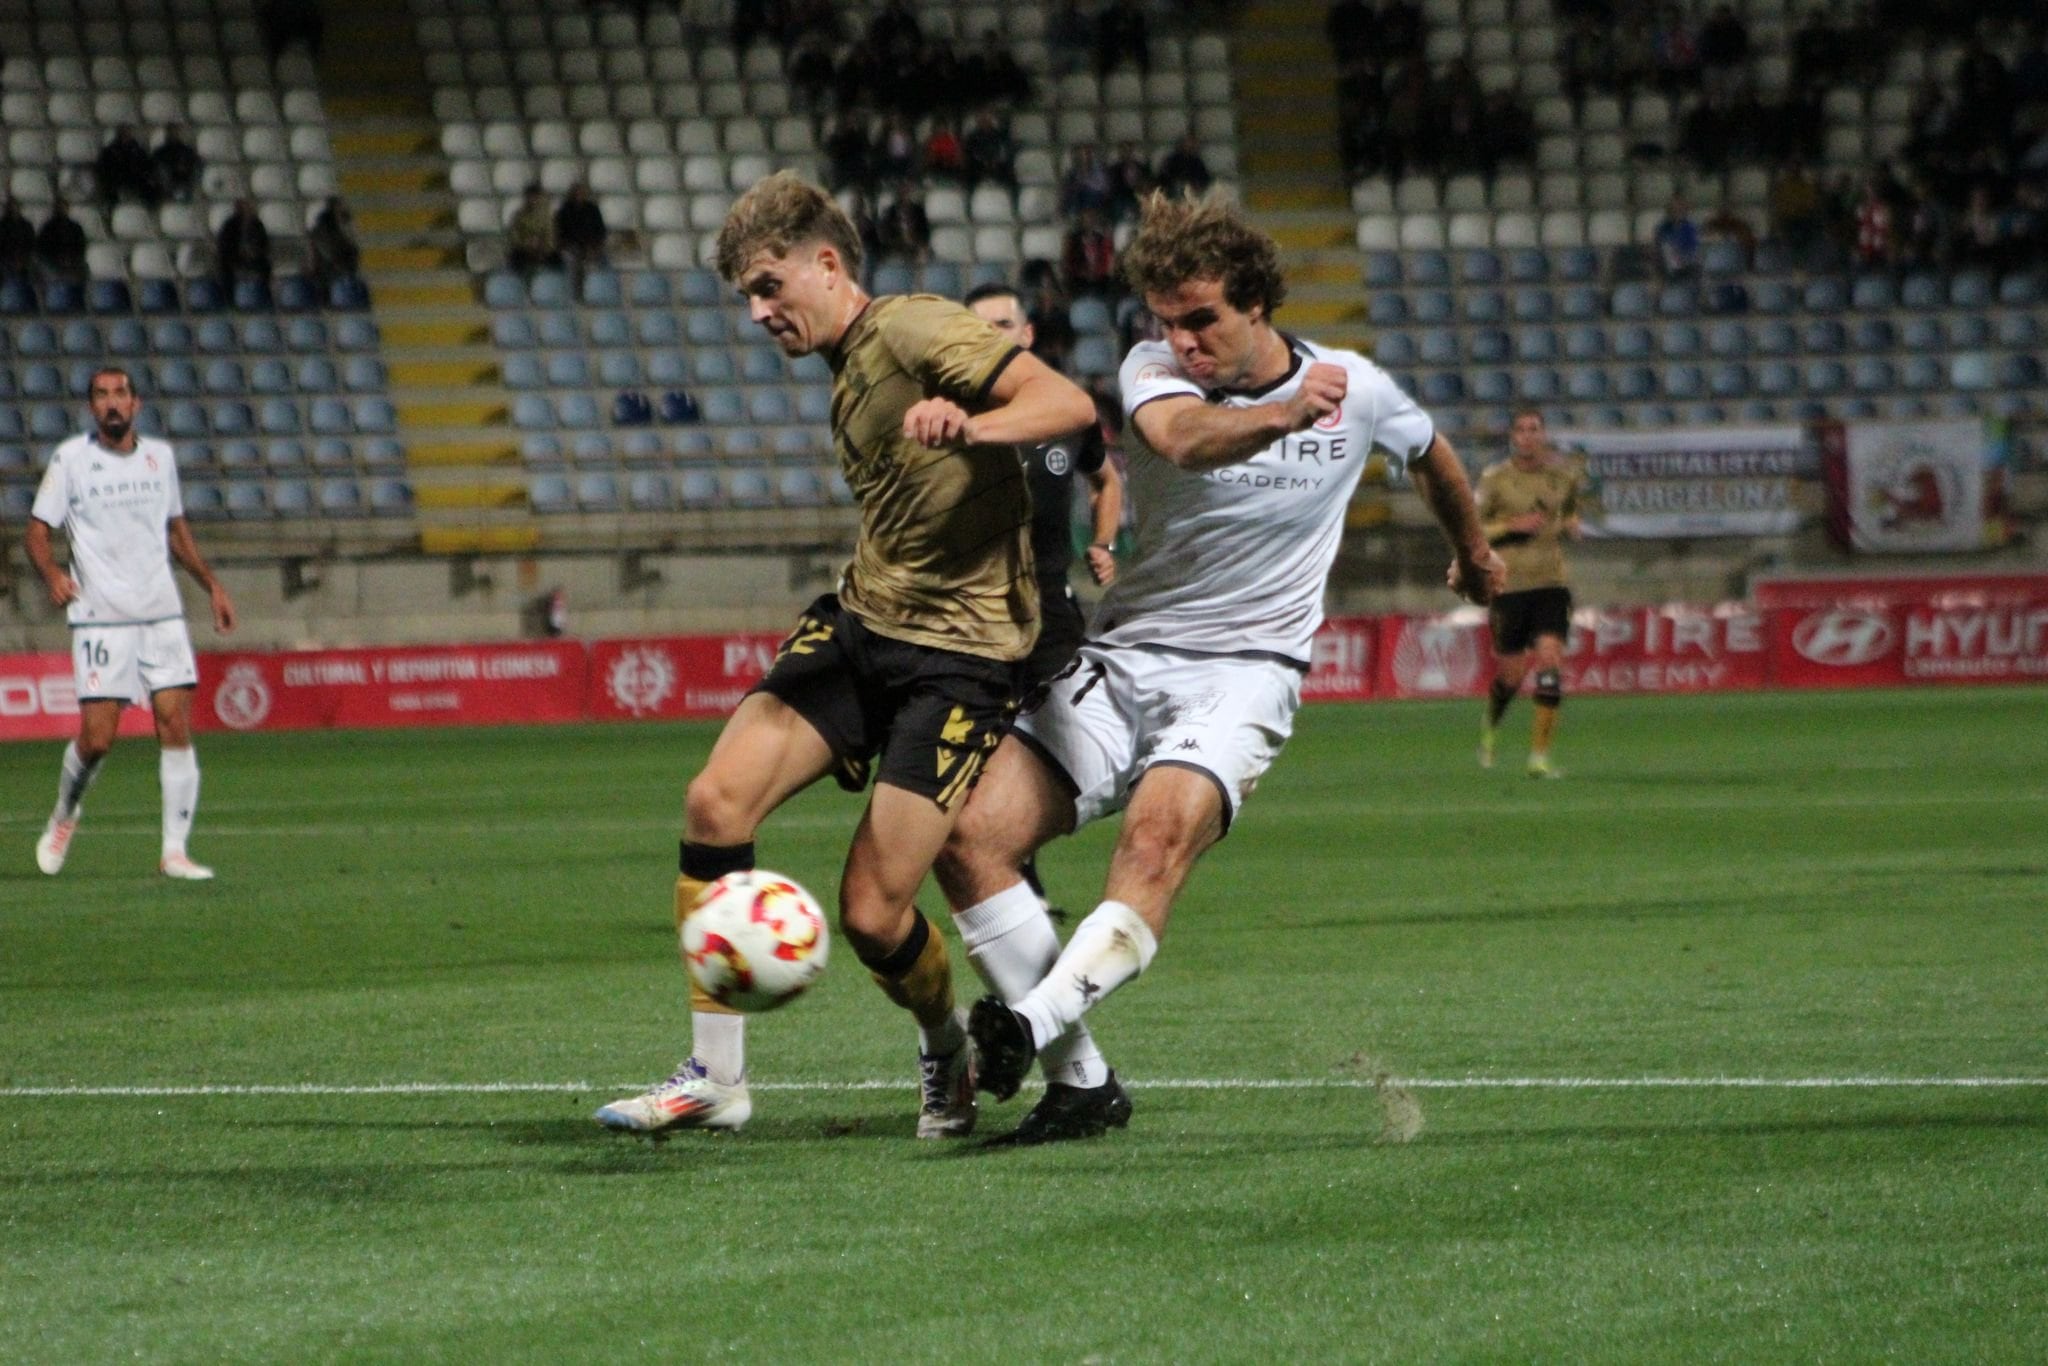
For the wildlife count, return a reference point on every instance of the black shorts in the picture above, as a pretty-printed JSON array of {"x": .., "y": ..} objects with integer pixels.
[
  {"x": 931, "y": 717},
  {"x": 1518, "y": 618},
  {"x": 1060, "y": 629}
]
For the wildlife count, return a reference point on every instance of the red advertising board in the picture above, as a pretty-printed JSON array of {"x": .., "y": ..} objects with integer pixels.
[
  {"x": 1874, "y": 632},
  {"x": 39, "y": 700},
  {"x": 1675, "y": 647},
  {"x": 674, "y": 676},
  {"x": 1341, "y": 661},
  {"x": 460, "y": 685}
]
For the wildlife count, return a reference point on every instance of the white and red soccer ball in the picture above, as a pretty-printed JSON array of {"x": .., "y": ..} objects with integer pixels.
[{"x": 755, "y": 940}]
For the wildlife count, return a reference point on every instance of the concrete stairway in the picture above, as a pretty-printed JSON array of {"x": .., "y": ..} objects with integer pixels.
[
  {"x": 453, "y": 412},
  {"x": 1289, "y": 164}
]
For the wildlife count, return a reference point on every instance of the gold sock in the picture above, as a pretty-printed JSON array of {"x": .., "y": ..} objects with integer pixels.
[
  {"x": 925, "y": 988},
  {"x": 688, "y": 889},
  {"x": 1544, "y": 727}
]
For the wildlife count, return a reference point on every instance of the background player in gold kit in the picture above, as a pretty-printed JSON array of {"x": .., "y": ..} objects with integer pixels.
[
  {"x": 913, "y": 666},
  {"x": 1529, "y": 504}
]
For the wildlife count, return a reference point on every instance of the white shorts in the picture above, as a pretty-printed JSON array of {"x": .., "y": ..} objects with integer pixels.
[
  {"x": 1118, "y": 710},
  {"x": 130, "y": 663}
]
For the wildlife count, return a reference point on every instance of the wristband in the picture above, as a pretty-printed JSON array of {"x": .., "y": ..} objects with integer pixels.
[{"x": 1102, "y": 545}]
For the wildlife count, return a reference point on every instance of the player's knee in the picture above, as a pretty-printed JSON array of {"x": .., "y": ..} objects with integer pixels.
[
  {"x": 713, "y": 811},
  {"x": 93, "y": 747},
  {"x": 1156, "y": 848},
  {"x": 1549, "y": 691}
]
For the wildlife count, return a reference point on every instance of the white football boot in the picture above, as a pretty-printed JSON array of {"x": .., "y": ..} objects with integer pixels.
[
  {"x": 945, "y": 1083},
  {"x": 54, "y": 845},
  {"x": 176, "y": 864},
  {"x": 687, "y": 1100}
]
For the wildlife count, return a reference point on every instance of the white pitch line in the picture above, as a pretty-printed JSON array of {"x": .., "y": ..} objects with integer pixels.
[{"x": 442, "y": 1088}]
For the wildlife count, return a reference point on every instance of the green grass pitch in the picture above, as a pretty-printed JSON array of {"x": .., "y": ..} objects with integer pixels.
[{"x": 1599, "y": 992}]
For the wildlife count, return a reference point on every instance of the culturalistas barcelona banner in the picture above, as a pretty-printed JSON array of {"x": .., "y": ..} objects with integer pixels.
[{"x": 1796, "y": 633}]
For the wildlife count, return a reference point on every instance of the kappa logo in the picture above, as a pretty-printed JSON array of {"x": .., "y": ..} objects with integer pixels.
[
  {"x": 243, "y": 699},
  {"x": 1843, "y": 637},
  {"x": 641, "y": 679}
]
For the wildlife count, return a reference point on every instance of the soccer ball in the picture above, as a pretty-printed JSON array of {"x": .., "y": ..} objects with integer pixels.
[{"x": 755, "y": 940}]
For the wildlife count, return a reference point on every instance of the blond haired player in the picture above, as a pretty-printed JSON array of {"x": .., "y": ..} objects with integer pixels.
[
  {"x": 912, "y": 667},
  {"x": 1529, "y": 504},
  {"x": 1244, "y": 446},
  {"x": 114, "y": 493}
]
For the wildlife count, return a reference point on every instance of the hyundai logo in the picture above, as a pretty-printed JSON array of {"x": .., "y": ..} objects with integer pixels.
[{"x": 1843, "y": 637}]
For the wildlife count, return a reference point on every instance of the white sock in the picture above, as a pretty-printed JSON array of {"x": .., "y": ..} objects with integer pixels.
[
  {"x": 78, "y": 776},
  {"x": 719, "y": 1041},
  {"x": 178, "y": 772},
  {"x": 1012, "y": 944},
  {"x": 1113, "y": 945}
]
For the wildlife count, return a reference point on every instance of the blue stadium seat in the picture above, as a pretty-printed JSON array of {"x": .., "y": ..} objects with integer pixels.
[
  {"x": 1968, "y": 329},
  {"x": 1633, "y": 342},
  {"x": 295, "y": 294},
  {"x": 231, "y": 418},
  {"x": 943, "y": 278},
  {"x": 1923, "y": 372},
  {"x": 1777, "y": 379},
  {"x": 1824, "y": 377},
  {"x": 1428, "y": 267},
  {"x": 1538, "y": 385},
  {"x": 285, "y": 455},
  {"x": 1728, "y": 339},
  {"x": 648, "y": 289},
  {"x": 330, "y": 417},
  {"x": 814, "y": 404},
  {"x": 279, "y": 417},
  {"x": 390, "y": 497},
  {"x": 1727, "y": 296},
  {"x": 291, "y": 498},
  {"x": 1586, "y": 384},
  {"x": 316, "y": 376},
  {"x": 1873, "y": 294},
  {"x": 1679, "y": 299},
  {"x": 763, "y": 365},
  {"x": 203, "y": 501},
  {"x": 1493, "y": 386},
  {"x": 1490, "y": 346},
  {"x": 1382, "y": 269},
  {"x": 356, "y": 334},
  {"x": 1873, "y": 375},
  {"x": 1729, "y": 380},
  {"x": 63, "y": 296},
  {"x": 769, "y": 407},
  {"x": 14, "y": 460},
  {"x": 270, "y": 376},
  {"x": 52, "y": 422},
  {"x": 603, "y": 289},
  {"x": 1443, "y": 386},
  {"x": 108, "y": 296},
  {"x": 640, "y": 447},
  {"x": 659, "y": 329},
  {"x": 1972, "y": 371},
  {"x": 1679, "y": 341},
  {"x": 504, "y": 289},
  {"x": 2018, "y": 329},
  {"x": 1635, "y": 383},
  {"x": 1534, "y": 305},
  {"x": 1387, "y": 310},
  {"x": 795, "y": 442},
  {"x": 374, "y": 414},
  {"x": 82, "y": 338},
  {"x": 348, "y": 294},
  {"x": 251, "y": 295},
  {"x": 1873, "y": 334},
  {"x": 303, "y": 335},
  {"x": 261, "y": 334},
  {"x": 548, "y": 289},
  {"x": 1825, "y": 294},
  {"x": 1484, "y": 306},
  {"x": 618, "y": 369},
  {"x": 579, "y": 412},
  {"x": 1095, "y": 356},
  {"x": 698, "y": 487},
  {"x": 1683, "y": 381},
  {"x": 216, "y": 337},
  {"x": 541, "y": 448},
  {"x": 35, "y": 339},
  {"x": 692, "y": 443},
  {"x": 1723, "y": 257},
  {"x": 590, "y": 448},
  {"x": 1535, "y": 345},
  {"x": 1479, "y": 266},
  {"x": 9, "y": 391},
  {"x": 648, "y": 491},
  {"x": 1578, "y": 265},
  {"x": 1825, "y": 337},
  {"x": 1433, "y": 306},
  {"x": 1630, "y": 299},
  {"x": 1774, "y": 297},
  {"x": 610, "y": 329},
  {"x": 241, "y": 457},
  {"x": 170, "y": 337},
  {"x": 712, "y": 366},
  {"x": 699, "y": 286},
  {"x": 341, "y": 498},
  {"x": 1922, "y": 334},
  {"x": 17, "y": 298},
  {"x": 1528, "y": 266},
  {"x": 891, "y": 277},
  {"x": 12, "y": 425},
  {"x": 364, "y": 375},
  {"x": 704, "y": 328},
  {"x": 724, "y": 407},
  {"x": 224, "y": 376},
  {"x": 78, "y": 380},
  {"x": 1970, "y": 289},
  {"x": 513, "y": 332},
  {"x": 666, "y": 368},
  {"x": 800, "y": 486},
  {"x": 1582, "y": 303},
  {"x": 1921, "y": 291},
  {"x": 331, "y": 452},
  {"x": 1777, "y": 338},
  {"x": 157, "y": 296},
  {"x": 567, "y": 369},
  {"x": 749, "y": 486},
  {"x": 1089, "y": 314},
  {"x": 1389, "y": 348},
  {"x": 558, "y": 331},
  {"x": 42, "y": 380},
  {"x": 2021, "y": 289},
  {"x": 597, "y": 491},
  {"x": 1585, "y": 343},
  {"x": 176, "y": 378}
]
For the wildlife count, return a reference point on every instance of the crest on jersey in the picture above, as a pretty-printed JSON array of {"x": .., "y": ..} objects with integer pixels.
[
  {"x": 1057, "y": 461},
  {"x": 243, "y": 698},
  {"x": 641, "y": 679}
]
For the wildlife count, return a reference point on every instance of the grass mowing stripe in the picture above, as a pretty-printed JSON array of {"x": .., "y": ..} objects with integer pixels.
[{"x": 461, "y": 1088}]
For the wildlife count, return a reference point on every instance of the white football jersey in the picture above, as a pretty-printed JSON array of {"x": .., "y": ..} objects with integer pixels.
[
  {"x": 114, "y": 506},
  {"x": 1233, "y": 560}
]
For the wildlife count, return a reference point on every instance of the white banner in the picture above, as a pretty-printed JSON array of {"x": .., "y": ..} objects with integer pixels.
[
  {"x": 1916, "y": 486},
  {"x": 1734, "y": 481}
]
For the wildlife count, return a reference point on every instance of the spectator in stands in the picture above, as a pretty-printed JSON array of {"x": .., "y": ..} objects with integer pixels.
[
  {"x": 849, "y": 154},
  {"x": 1707, "y": 136},
  {"x": 1726, "y": 224},
  {"x": 17, "y": 242},
  {"x": 1981, "y": 235},
  {"x": 1724, "y": 52},
  {"x": 290, "y": 23},
  {"x": 1796, "y": 209},
  {"x": 894, "y": 32},
  {"x": 810, "y": 71},
  {"x": 1634, "y": 53},
  {"x": 1130, "y": 179},
  {"x": 1817, "y": 50},
  {"x": 1930, "y": 229},
  {"x": 60, "y": 243},
  {"x": 2030, "y": 69},
  {"x": 1678, "y": 240},
  {"x": 1086, "y": 183},
  {"x": 1182, "y": 170},
  {"x": 242, "y": 246},
  {"x": 1353, "y": 29},
  {"x": 755, "y": 19},
  {"x": 1407, "y": 117},
  {"x": 991, "y": 153},
  {"x": 176, "y": 163},
  {"x": 530, "y": 236},
  {"x": 896, "y": 152},
  {"x": 992, "y": 73},
  {"x": 1069, "y": 36},
  {"x": 580, "y": 232},
  {"x": 1984, "y": 90},
  {"x": 1876, "y": 245},
  {"x": 1088, "y": 256},
  {"x": 332, "y": 253},
  {"x": 1121, "y": 35},
  {"x": 1401, "y": 28},
  {"x": 905, "y": 230},
  {"x": 1678, "y": 53},
  {"x": 124, "y": 171},
  {"x": 857, "y": 73},
  {"x": 1050, "y": 321},
  {"x": 1507, "y": 132},
  {"x": 944, "y": 156}
]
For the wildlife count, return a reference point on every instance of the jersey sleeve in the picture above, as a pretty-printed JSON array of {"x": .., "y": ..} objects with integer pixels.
[
  {"x": 948, "y": 348},
  {"x": 1148, "y": 372},
  {"x": 174, "y": 493},
  {"x": 1093, "y": 451},
  {"x": 53, "y": 496},
  {"x": 1401, "y": 431}
]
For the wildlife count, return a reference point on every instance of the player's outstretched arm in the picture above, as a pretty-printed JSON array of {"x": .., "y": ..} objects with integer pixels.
[
  {"x": 186, "y": 551},
  {"x": 36, "y": 541},
  {"x": 1030, "y": 403},
  {"x": 1204, "y": 436},
  {"x": 1477, "y": 572},
  {"x": 1106, "y": 504}
]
